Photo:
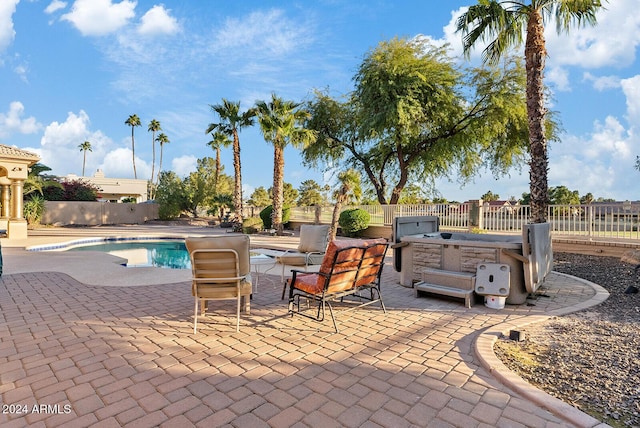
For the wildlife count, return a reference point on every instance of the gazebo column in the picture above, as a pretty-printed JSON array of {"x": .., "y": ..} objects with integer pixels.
[
  {"x": 17, "y": 227},
  {"x": 6, "y": 203}
]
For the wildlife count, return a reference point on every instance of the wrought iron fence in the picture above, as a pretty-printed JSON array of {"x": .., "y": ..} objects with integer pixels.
[{"x": 614, "y": 220}]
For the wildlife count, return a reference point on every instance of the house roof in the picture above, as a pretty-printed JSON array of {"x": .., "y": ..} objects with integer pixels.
[{"x": 15, "y": 153}]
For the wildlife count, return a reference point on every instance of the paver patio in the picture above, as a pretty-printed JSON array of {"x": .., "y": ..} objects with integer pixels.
[{"x": 90, "y": 355}]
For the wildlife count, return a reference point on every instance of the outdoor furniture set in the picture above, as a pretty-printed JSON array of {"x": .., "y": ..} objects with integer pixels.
[{"x": 350, "y": 271}]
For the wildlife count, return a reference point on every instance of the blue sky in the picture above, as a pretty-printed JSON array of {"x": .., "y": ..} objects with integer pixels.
[{"x": 73, "y": 71}]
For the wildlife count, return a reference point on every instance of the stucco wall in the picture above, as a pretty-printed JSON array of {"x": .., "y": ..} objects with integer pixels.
[{"x": 97, "y": 213}]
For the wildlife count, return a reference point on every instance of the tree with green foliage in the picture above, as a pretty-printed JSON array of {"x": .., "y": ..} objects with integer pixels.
[
  {"x": 587, "y": 199},
  {"x": 153, "y": 127},
  {"x": 218, "y": 140},
  {"x": 36, "y": 181},
  {"x": 311, "y": 193},
  {"x": 348, "y": 189},
  {"x": 232, "y": 121},
  {"x": 282, "y": 124},
  {"x": 561, "y": 195},
  {"x": 260, "y": 197},
  {"x": 133, "y": 121},
  {"x": 504, "y": 23},
  {"x": 170, "y": 195},
  {"x": 414, "y": 115},
  {"x": 490, "y": 196},
  {"x": 84, "y": 147},
  {"x": 199, "y": 186},
  {"x": 289, "y": 195},
  {"x": 413, "y": 194},
  {"x": 162, "y": 139}
]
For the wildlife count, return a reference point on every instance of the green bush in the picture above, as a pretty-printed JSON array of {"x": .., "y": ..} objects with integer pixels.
[
  {"x": 353, "y": 221},
  {"x": 265, "y": 215},
  {"x": 251, "y": 225},
  {"x": 34, "y": 209}
]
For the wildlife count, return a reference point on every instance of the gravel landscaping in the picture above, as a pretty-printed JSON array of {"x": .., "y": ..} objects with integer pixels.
[{"x": 589, "y": 359}]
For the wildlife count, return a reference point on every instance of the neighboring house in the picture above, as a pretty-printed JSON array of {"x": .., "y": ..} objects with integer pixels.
[
  {"x": 503, "y": 207},
  {"x": 115, "y": 189}
]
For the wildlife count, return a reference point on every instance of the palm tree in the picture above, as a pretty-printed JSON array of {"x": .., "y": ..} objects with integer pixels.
[
  {"x": 162, "y": 139},
  {"x": 349, "y": 188},
  {"x": 218, "y": 140},
  {"x": 505, "y": 22},
  {"x": 133, "y": 121},
  {"x": 281, "y": 123},
  {"x": 231, "y": 122},
  {"x": 83, "y": 148},
  {"x": 153, "y": 127}
]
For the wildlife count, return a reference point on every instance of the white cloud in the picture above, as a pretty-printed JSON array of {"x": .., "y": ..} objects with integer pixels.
[
  {"x": 59, "y": 150},
  {"x": 118, "y": 163},
  {"x": 184, "y": 165},
  {"x": 158, "y": 21},
  {"x": 7, "y": 33},
  {"x": 59, "y": 145},
  {"x": 603, "y": 82},
  {"x": 54, "y": 6},
  {"x": 21, "y": 70},
  {"x": 631, "y": 89},
  {"x": 267, "y": 33},
  {"x": 601, "y": 162},
  {"x": 100, "y": 17},
  {"x": 612, "y": 42},
  {"x": 559, "y": 77},
  {"x": 13, "y": 121}
]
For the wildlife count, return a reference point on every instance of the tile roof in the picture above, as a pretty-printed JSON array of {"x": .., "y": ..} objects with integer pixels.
[{"x": 12, "y": 152}]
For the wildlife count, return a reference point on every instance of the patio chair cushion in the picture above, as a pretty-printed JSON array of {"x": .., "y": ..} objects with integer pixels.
[
  {"x": 239, "y": 243},
  {"x": 313, "y": 238},
  {"x": 295, "y": 258}
]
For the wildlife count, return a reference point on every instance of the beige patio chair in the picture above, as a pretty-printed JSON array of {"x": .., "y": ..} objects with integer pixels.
[
  {"x": 220, "y": 268},
  {"x": 311, "y": 249}
]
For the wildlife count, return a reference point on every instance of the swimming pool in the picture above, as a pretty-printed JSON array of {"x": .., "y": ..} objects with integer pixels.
[
  {"x": 169, "y": 253},
  {"x": 163, "y": 254}
]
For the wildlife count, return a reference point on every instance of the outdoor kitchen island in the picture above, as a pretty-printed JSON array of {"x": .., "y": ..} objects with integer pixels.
[{"x": 465, "y": 265}]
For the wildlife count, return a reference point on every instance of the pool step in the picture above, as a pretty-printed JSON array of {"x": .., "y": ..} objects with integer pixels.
[{"x": 447, "y": 283}]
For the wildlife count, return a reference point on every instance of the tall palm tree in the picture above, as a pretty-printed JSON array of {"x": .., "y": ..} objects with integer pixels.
[
  {"x": 281, "y": 123},
  {"x": 231, "y": 122},
  {"x": 84, "y": 147},
  {"x": 133, "y": 121},
  {"x": 505, "y": 23},
  {"x": 218, "y": 140},
  {"x": 154, "y": 126},
  {"x": 349, "y": 187},
  {"x": 162, "y": 139}
]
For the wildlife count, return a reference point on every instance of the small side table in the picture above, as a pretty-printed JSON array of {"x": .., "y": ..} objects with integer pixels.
[{"x": 257, "y": 260}]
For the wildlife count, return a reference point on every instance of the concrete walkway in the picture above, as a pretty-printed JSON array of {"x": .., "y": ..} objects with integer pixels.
[{"x": 75, "y": 350}]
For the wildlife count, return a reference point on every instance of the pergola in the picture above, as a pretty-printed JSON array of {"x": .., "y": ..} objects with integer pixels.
[{"x": 14, "y": 169}]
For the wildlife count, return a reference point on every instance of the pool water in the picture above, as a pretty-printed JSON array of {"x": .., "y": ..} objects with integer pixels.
[{"x": 163, "y": 254}]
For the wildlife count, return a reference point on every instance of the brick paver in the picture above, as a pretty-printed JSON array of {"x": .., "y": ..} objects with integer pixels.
[{"x": 127, "y": 356}]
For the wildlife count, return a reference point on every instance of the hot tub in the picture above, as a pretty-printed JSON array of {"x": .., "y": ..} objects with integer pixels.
[{"x": 528, "y": 257}]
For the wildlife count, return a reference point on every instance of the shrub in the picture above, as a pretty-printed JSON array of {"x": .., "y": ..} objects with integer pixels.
[
  {"x": 34, "y": 209},
  {"x": 353, "y": 221},
  {"x": 71, "y": 190},
  {"x": 265, "y": 215},
  {"x": 251, "y": 225}
]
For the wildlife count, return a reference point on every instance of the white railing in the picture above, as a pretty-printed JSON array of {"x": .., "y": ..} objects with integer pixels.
[{"x": 615, "y": 220}]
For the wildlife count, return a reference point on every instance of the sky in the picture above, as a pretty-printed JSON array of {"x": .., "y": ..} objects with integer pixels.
[{"x": 75, "y": 70}]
